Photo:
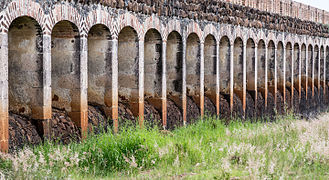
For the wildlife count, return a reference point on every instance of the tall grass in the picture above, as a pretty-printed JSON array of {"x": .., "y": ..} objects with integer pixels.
[{"x": 287, "y": 148}]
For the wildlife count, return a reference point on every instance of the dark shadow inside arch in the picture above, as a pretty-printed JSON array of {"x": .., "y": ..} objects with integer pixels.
[
  {"x": 153, "y": 77},
  {"x": 303, "y": 66},
  {"x": 25, "y": 81},
  {"x": 310, "y": 65},
  {"x": 271, "y": 96},
  {"x": 65, "y": 80},
  {"x": 174, "y": 64},
  {"x": 261, "y": 55},
  {"x": 210, "y": 64},
  {"x": 327, "y": 65},
  {"x": 280, "y": 67},
  {"x": 128, "y": 69},
  {"x": 316, "y": 65},
  {"x": 193, "y": 77},
  {"x": 251, "y": 79},
  {"x": 99, "y": 77},
  {"x": 224, "y": 74},
  {"x": 238, "y": 78},
  {"x": 65, "y": 56}
]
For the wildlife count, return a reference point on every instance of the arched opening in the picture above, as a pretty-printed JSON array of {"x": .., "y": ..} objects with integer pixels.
[
  {"x": 310, "y": 68},
  {"x": 224, "y": 70},
  {"x": 271, "y": 103},
  {"x": 261, "y": 55},
  {"x": 321, "y": 65},
  {"x": 327, "y": 72},
  {"x": 25, "y": 81},
  {"x": 174, "y": 64},
  {"x": 193, "y": 77},
  {"x": 327, "y": 65},
  {"x": 316, "y": 66},
  {"x": 303, "y": 92},
  {"x": 65, "y": 76},
  {"x": 303, "y": 67},
  {"x": 321, "y": 80},
  {"x": 296, "y": 84},
  {"x": 251, "y": 79},
  {"x": 280, "y": 78},
  {"x": 153, "y": 76},
  {"x": 210, "y": 74},
  {"x": 225, "y": 59},
  {"x": 289, "y": 74},
  {"x": 99, "y": 75},
  {"x": 25, "y": 56},
  {"x": 288, "y": 64},
  {"x": 238, "y": 76},
  {"x": 128, "y": 74},
  {"x": 296, "y": 65}
]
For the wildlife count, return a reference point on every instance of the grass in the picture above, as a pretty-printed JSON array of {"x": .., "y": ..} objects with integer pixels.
[{"x": 209, "y": 149}]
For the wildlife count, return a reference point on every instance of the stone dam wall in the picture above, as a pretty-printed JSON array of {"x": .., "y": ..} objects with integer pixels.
[{"x": 68, "y": 67}]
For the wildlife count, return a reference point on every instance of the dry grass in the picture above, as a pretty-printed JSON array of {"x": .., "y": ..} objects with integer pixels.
[{"x": 286, "y": 148}]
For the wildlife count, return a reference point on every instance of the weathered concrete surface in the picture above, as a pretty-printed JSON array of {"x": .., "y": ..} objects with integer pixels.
[{"x": 150, "y": 59}]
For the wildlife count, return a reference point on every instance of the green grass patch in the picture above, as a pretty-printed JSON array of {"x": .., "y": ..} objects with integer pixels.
[{"x": 287, "y": 148}]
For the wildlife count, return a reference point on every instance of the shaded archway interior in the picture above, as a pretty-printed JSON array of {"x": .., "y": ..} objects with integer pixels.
[
  {"x": 25, "y": 66},
  {"x": 65, "y": 66},
  {"x": 128, "y": 68}
]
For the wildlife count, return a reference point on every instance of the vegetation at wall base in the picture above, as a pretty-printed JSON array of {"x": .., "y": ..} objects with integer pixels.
[{"x": 211, "y": 148}]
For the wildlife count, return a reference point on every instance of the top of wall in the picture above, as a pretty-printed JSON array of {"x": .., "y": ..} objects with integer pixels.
[
  {"x": 287, "y": 8},
  {"x": 215, "y": 11},
  {"x": 281, "y": 7}
]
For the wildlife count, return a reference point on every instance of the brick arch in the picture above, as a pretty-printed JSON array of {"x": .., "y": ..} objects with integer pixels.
[
  {"x": 99, "y": 16},
  {"x": 260, "y": 35},
  {"x": 194, "y": 27},
  {"x": 128, "y": 19},
  {"x": 289, "y": 42},
  {"x": 225, "y": 31},
  {"x": 66, "y": 12},
  {"x": 210, "y": 29},
  {"x": 239, "y": 32},
  {"x": 309, "y": 41},
  {"x": 288, "y": 38},
  {"x": 153, "y": 22},
  {"x": 21, "y": 8},
  {"x": 252, "y": 35},
  {"x": 173, "y": 25},
  {"x": 271, "y": 37}
]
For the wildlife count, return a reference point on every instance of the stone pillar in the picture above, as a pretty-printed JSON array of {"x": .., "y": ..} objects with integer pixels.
[
  {"x": 266, "y": 70},
  {"x": 184, "y": 81},
  {"x": 164, "y": 84},
  {"x": 43, "y": 115},
  {"x": 231, "y": 75},
  {"x": 319, "y": 70},
  {"x": 244, "y": 77},
  {"x": 84, "y": 85},
  {"x": 306, "y": 73},
  {"x": 313, "y": 58},
  {"x": 141, "y": 82},
  {"x": 4, "y": 124},
  {"x": 217, "y": 78},
  {"x": 284, "y": 74},
  {"x": 79, "y": 104},
  {"x": 202, "y": 78},
  {"x": 292, "y": 74},
  {"x": 256, "y": 73},
  {"x": 300, "y": 73},
  {"x": 115, "y": 91},
  {"x": 275, "y": 76},
  {"x": 324, "y": 70}
]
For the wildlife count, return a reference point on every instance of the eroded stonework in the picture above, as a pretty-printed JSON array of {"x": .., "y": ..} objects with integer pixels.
[{"x": 78, "y": 63}]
